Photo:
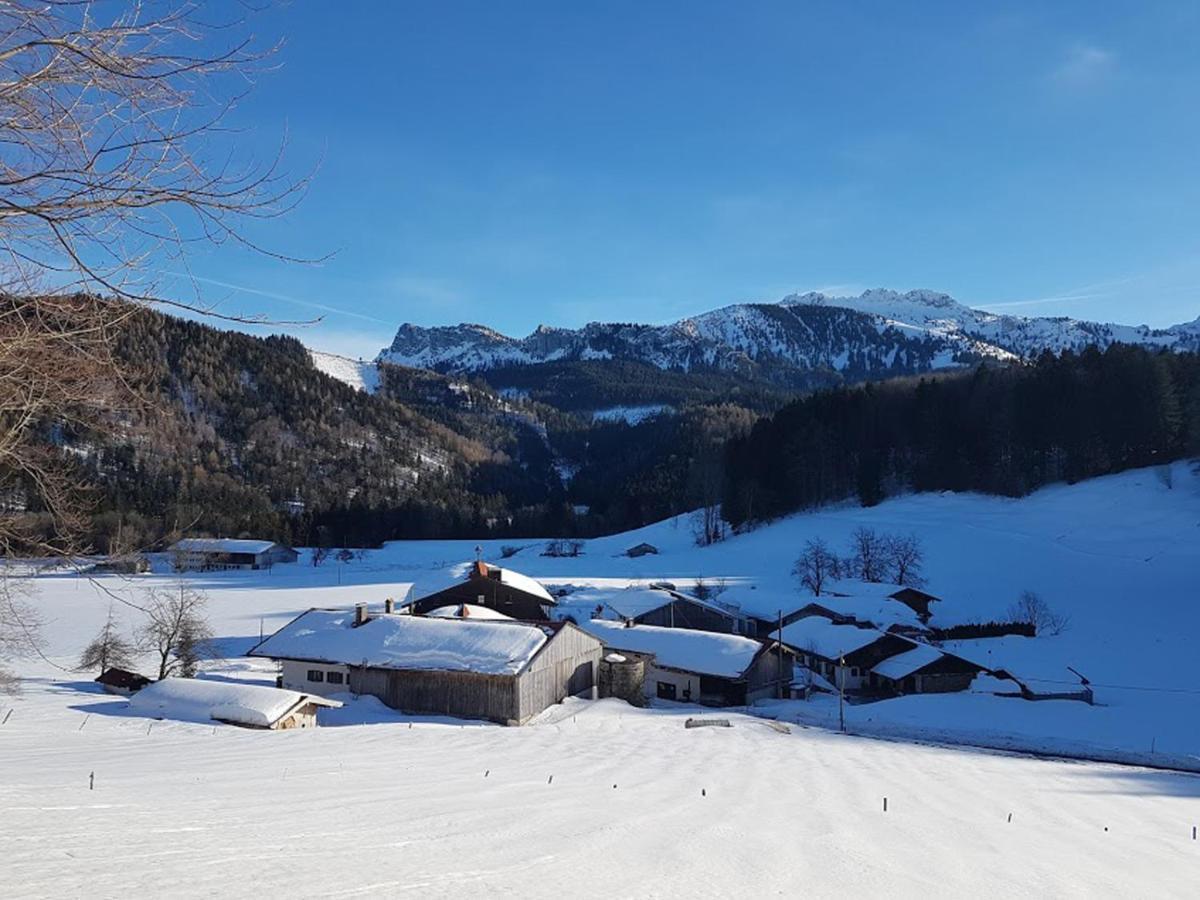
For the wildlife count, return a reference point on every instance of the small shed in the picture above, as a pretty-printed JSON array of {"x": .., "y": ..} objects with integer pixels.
[
  {"x": 121, "y": 681},
  {"x": 699, "y": 666},
  {"x": 483, "y": 584},
  {"x": 926, "y": 670},
  {"x": 642, "y": 549},
  {"x": 245, "y": 705},
  {"x": 497, "y": 669},
  {"x": 229, "y": 553}
]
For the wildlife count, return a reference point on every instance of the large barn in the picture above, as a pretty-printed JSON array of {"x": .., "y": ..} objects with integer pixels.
[
  {"x": 496, "y": 669},
  {"x": 487, "y": 585},
  {"x": 229, "y": 553},
  {"x": 700, "y": 666}
]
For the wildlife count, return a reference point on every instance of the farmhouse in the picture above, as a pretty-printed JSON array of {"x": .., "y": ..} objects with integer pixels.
[
  {"x": 121, "y": 681},
  {"x": 246, "y": 705},
  {"x": 699, "y": 666},
  {"x": 865, "y": 660},
  {"x": 504, "y": 671},
  {"x": 665, "y": 607},
  {"x": 229, "y": 553},
  {"x": 484, "y": 584}
]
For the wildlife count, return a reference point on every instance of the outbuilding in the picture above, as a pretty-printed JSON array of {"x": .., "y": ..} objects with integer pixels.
[
  {"x": 245, "y": 705},
  {"x": 483, "y": 584},
  {"x": 121, "y": 681},
  {"x": 926, "y": 670},
  {"x": 699, "y": 666},
  {"x": 229, "y": 553},
  {"x": 502, "y": 670}
]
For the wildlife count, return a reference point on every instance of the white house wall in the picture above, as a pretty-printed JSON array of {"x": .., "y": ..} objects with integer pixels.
[{"x": 295, "y": 678}]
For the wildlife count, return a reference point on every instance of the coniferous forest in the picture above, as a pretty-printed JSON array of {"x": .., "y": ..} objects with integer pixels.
[{"x": 996, "y": 429}]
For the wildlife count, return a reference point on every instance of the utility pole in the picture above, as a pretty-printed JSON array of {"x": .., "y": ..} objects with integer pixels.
[
  {"x": 779, "y": 649},
  {"x": 842, "y": 692}
]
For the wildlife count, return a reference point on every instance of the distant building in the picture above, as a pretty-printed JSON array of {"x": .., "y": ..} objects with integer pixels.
[
  {"x": 699, "y": 666},
  {"x": 245, "y": 705},
  {"x": 122, "y": 681},
  {"x": 670, "y": 608},
  {"x": 474, "y": 668},
  {"x": 484, "y": 584},
  {"x": 229, "y": 553},
  {"x": 642, "y": 549}
]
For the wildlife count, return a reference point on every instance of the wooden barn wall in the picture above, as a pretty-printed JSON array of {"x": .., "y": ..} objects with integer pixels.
[
  {"x": 566, "y": 667},
  {"x": 688, "y": 615},
  {"x": 462, "y": 694},
  {"x": 762, "y": 678}
]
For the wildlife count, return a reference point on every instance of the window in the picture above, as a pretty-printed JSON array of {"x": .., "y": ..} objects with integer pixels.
[
  {"x": 666, "y": 690},
  {"x": 854, "y": 671},
  {"x": 316, "y": 675},
  {"x": 334, "y": 677}
]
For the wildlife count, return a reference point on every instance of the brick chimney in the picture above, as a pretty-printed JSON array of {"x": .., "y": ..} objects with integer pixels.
[
  {"x": 360, "y": 614},
  {"x": 389, "y": 606}
]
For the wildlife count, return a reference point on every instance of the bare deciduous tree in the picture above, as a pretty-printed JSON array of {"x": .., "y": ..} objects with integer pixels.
[
  {"x": 1031, "y": 608},
  {"x": 20, "y": 627},
  {"x": 904, "y": 557},
  {"x": 108, "y": 649},
  {"x": 176, "y": 630},
  {"x": 816, "y": 565},
  {"x": 115, "y": 162},
  {"x": 869, "y": 554}
]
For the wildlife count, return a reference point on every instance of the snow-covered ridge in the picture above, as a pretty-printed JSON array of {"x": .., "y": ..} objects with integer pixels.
[{"x": 878, "y": 333}]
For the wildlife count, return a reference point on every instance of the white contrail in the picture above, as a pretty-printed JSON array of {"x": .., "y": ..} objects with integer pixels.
[{"x": 287, "y": 298}]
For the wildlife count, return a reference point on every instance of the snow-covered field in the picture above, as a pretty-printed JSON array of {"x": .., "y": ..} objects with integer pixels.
[{"x": 381, "y": 804}]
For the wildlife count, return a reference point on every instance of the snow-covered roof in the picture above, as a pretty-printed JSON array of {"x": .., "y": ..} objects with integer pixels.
[
  {"x": 201, "y": 700},
  {"x": 806, "y": 677},
  {"x": 467, "y": 611},
  {"x": 407, "y": 642},
  {"x": 221, "y": 545},
  {"x": 904, "y": 664},
  {"x": 521, "y": 582},
  {"x": 879, "y": 611},
  {"x": 821, "y": 636},
  {"x": 724, "y": 655},
  {"x": 436, "y": 582}
]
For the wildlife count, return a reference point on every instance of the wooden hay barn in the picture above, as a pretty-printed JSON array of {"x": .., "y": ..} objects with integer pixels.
[
  {"x": 121, "y": 681},
  {"x": 494, "y": 669}
]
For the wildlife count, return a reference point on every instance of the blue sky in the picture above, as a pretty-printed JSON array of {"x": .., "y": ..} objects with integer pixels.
[{"x": 515, "y": 164}]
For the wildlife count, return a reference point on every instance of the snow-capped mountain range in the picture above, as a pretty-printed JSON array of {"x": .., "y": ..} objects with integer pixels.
[{"x": 878, "y": 333}]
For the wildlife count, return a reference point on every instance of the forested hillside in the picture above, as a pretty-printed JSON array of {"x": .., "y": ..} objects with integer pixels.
[
  {"x": 997, "y": 429},
  {"x": 229, "y": 434}
]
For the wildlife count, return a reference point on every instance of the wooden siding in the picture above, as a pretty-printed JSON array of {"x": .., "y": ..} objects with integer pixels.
[
  {"x": 564, "y": 667},
  {"x": 677, "y": 613},
  {"x": 490, "y": 593},
  {"x": 763, "y": 677},
  {"x": 466, "y": 695}
]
